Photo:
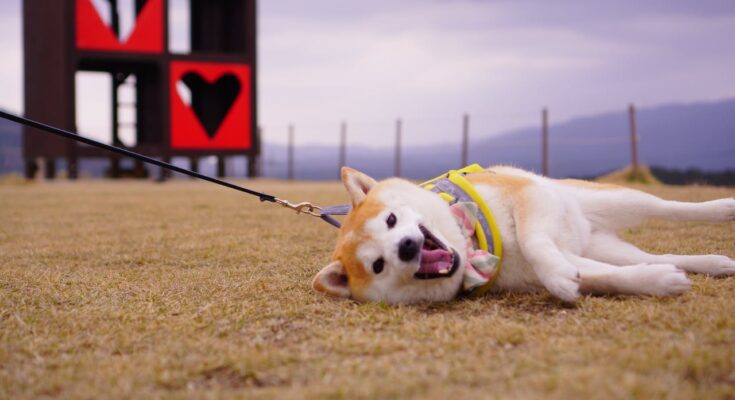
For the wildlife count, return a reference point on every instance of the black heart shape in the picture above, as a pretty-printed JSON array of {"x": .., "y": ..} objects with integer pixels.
[
  {"x": 212, "y": 101},
  {"x": 115, "y": 9}
]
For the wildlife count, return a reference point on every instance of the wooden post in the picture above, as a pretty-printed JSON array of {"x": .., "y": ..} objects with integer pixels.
[
  {"x": 342, "y": 148},
  {"x": 221, "y": 167},
  {"x": 114, "y": 166},
  {"x": 72, "y": 163},
  {"x": 115, "y": 159},
  {"x": 139, "y": 170},
  {"x": 164, "y": 173},
  {"x": 290, "y": 152},
  {"x": 545, "y": 141},
  {"x": 465, "y": 140},
  {"x": 254, "y": 158},
  {"x": 633, "y": 139},
  {"x": 49, "y": 168},
  {"x": 397, "y": 164},
  {"x": 31, "y": 168},
  {"x": 194, "y": 163}
]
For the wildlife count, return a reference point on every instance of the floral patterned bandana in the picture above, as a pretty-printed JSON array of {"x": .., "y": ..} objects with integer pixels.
[{"x": 481, "y": 266}]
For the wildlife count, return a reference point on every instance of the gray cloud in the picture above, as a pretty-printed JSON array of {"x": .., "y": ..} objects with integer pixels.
[
  {"x": 429, "y": 61},
  {"x": 502, "y": 61}
]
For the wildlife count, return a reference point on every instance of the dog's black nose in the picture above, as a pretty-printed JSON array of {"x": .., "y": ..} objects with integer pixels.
[{"x": 407, "y": 249}]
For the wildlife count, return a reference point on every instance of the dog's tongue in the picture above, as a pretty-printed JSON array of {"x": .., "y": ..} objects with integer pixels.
[{"x": 437, "y": 261}]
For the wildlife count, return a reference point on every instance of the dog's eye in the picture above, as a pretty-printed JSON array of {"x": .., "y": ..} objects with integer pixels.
[
  {"x": 391, "y": 221},
  {"x": 378, "y": 265}
]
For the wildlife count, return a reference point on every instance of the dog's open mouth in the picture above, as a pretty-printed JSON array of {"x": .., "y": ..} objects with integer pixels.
[{"x": 437, "y": 259}]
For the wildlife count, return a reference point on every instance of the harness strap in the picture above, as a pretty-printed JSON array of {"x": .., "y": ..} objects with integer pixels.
[
  {"x": 327, "y": 212},
  {"x": 455, "y": 194},
  {"x": 455, "y": 187}
]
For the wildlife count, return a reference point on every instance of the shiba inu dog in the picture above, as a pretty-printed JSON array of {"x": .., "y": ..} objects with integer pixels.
[{"x": 401, "y": 243}]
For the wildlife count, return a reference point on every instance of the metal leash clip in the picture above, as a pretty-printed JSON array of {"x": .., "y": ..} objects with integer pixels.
[{"x": 304, "y": 207}]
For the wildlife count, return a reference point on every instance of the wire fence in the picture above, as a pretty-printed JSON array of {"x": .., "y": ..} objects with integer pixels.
[{"x": 416, "y": 148}]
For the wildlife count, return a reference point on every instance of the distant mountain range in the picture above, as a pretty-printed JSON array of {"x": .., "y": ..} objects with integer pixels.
[{"x": 699, "y": 135}]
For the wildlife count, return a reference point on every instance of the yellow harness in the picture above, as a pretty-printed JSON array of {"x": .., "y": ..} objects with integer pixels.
[{"x": 454, "y": 187}]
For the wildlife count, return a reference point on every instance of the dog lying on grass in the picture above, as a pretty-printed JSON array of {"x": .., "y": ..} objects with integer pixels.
[{"x": 401, "y": 243}]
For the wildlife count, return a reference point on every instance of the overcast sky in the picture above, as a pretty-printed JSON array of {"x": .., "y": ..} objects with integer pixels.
[{"x": 429, "y": 61}]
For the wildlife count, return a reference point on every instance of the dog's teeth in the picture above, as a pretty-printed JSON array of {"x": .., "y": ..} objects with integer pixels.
[{"x": 443, "y": 271}]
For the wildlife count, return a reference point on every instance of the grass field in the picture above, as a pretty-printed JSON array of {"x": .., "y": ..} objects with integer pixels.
[{"x": 189, "y": 290}]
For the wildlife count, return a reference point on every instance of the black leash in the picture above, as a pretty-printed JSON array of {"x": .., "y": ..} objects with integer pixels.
[{"x": 305, "y": 207}]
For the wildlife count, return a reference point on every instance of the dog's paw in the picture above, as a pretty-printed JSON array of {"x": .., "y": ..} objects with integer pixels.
[
  {"x": 564, "y": 287},
  {"x": 722, "y": 210},
  {"x": 719, "y": 266},
  {"x": 663, "y": 280},
  {"x": 713, "y": 265}
]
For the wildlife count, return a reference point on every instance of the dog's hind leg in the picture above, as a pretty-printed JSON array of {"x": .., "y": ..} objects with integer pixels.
[
  {"x": 609, "y": 248},
  {"x": 654, "y": 279},
  {"x": 614, "y": 209}
]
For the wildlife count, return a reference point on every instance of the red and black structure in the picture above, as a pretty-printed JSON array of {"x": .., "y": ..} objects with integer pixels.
[{"x": 216, "y": 115}]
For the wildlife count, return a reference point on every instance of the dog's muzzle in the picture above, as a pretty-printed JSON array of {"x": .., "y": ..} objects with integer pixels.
[{"x": 436, "y": 260}]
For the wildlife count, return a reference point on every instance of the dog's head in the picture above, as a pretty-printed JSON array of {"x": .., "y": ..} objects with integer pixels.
[{"x": 399, "y": 244}]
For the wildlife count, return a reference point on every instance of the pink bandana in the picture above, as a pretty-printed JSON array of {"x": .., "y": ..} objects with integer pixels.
[{"x": 481, "y": 266}]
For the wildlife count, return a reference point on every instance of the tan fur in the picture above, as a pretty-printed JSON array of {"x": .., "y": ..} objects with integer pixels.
[
  {"x": 589, "y": 185},
  {"x": 511, "y": 186},
  {"x": 350, "y": 236},
  {"x": 318, "y": 286},
  {"x": 508, "y": 183}
]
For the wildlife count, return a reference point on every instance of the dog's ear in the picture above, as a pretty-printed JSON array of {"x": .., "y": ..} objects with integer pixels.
[
  {"x": 357, "y": 184},
  {"x": 332, "y": 280}
]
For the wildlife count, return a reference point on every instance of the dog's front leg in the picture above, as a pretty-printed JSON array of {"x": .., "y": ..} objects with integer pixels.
[
  {"x": 554, "y": 271},
  {"x": 538, "y": 215}
]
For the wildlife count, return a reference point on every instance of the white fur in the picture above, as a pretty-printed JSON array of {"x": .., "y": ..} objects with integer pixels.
[
  {"x": 412, "y": 206},
  {"x": 563, "y": 239}
]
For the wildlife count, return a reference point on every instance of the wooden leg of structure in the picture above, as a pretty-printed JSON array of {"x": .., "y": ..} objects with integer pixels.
[
  {"x": 221, "y": 166},
  {"x": 139, "y": 170},
  {"x": 194, "y": 162},
  {"x": 253, "y": 167},
  {"x": 50, "y": 169},
  {"x": 114, "y": 167},
  {"x": 72, "y": 168},
  {"x": 31, "y": 168},
  {"x": 163, "y": 173}
]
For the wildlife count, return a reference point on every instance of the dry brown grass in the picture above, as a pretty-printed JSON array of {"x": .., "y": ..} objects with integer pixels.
[
  {"x": 628, "y": 175},
  {"x": 187, "y": 290}
]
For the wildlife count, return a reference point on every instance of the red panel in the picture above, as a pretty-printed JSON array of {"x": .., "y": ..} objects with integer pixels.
[
  {"x": 187, "y": 131},
  {"x": 147, "y": 36}
]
